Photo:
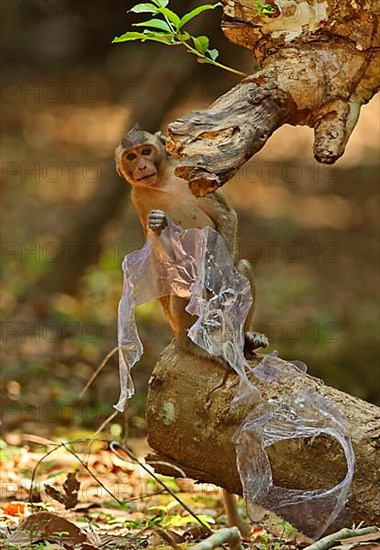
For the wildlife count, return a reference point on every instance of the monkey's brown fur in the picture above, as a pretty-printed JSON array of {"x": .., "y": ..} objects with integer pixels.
[{"x": 157, "y": 192}]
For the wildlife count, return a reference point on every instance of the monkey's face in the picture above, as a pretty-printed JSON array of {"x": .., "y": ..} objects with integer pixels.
[{"x": 139, "y": 165}]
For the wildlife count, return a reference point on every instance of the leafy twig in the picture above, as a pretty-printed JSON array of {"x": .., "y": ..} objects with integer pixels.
[
  {"x": 91, "y": 473},
  {"x": 65, "y": 446},
  {"x": 167, "y": 28},
  {"x": 34, "y": 473}
]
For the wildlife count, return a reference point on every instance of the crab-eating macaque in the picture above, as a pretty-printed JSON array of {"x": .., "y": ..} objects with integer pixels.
[{"x": 157, "y": 193}]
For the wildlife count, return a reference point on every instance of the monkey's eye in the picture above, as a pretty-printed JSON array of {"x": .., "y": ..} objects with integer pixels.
[
  {"x": 146, "y": 151},
  {"x": 131, "y": 156}
]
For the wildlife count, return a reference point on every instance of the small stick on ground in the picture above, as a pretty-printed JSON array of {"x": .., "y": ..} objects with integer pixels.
[
  {"x": 330, "y": 540},
  {"x": 230, "y": 535}
]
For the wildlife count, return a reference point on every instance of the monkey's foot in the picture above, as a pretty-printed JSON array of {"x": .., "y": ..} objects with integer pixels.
[
  {"x": 252, "y": 341},
  {"x": 157, "y": 221}
]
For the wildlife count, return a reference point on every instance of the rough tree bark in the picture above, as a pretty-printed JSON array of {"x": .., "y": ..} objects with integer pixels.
[
  {"x": 190, "y": 424},
  {"x": 320, "y": 63}
]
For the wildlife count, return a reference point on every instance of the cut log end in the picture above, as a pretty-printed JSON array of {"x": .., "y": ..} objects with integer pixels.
[{"x": 214, "y": 143}]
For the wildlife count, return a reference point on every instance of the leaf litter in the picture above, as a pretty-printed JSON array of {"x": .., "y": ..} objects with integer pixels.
[{"x": 58, "y": 496}]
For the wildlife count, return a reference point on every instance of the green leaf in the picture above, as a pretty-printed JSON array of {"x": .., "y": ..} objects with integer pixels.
[
  {"x": 128, "y": 36},
  {"x": 154, "y": 24},
  {"x": 173, "y": 17},
  {"x": 213, "y": 54},
  {"x": 144, "y": 8},
  {"x": 193, "y": 13},
  {"x": 201, "y": 43},
  {"x": 132, "y": 524},
  {"x": 152, "y": 522},
  {"x": 161, "y": 3},
  {"x": 165, "y": 38},
  {"x": 185, "y": 36},
  {"x": 158, "y": 508},
  {"x": 178, "y": 521},
  {"x": 264, "y": 9},
  {"x": 172, "y": 504}
]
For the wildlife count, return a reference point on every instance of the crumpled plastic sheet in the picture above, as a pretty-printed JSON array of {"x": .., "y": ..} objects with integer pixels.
[
  {"x": 195, "y": 264},
  {"x": 303, "y": 414},
  {"x": 192, "y": 264}
]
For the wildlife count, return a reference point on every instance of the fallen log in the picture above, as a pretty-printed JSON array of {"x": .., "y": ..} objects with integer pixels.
[
  {"x": 191, "y": 424},
  {"x": 320, "y": 62}
]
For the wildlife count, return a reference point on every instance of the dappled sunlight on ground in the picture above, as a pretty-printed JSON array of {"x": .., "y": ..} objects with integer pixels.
[{"x": 110, "y": 497}]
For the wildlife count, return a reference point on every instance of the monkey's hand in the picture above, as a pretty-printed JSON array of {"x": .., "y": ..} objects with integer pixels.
[
  {"x": 157, "y": 221},
  {"x": 253, "y": 341}
]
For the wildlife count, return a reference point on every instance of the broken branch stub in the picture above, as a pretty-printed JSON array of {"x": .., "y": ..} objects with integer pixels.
[
  {"x": 218, "y": 141},
  {"x": 320, "y": 63}
]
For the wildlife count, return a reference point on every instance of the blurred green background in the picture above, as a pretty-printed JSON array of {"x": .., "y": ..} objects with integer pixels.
[{"x": 68, "y": 95}]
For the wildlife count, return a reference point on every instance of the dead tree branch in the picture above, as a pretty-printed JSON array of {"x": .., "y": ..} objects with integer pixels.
[{"x": 320, "y": 63}]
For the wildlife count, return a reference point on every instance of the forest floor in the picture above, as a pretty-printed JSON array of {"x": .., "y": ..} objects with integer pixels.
[
  {"x": 59, "y": 495},
  {"x": 92, "y": 494}
]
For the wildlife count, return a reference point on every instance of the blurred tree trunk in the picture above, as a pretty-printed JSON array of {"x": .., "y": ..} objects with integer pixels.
[
  {"x": 159, "y": 91},
  {"x": 161, "y": 79}
]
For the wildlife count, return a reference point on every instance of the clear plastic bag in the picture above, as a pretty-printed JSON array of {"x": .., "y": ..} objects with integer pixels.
[
  {"x": 195, "y": 264},
  {"x": 304, "y": 414}
]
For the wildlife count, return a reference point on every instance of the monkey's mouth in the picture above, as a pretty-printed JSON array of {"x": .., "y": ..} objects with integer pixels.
[
  {"x": 147, "y": 181},
  {"x": 146, "y": 177}
]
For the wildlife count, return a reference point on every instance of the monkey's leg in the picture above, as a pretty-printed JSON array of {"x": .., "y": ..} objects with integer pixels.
[
  {"x": 252, "y": 340},
  {"x": 233, "y": 516},
  {"x": 165, "y": 303}
]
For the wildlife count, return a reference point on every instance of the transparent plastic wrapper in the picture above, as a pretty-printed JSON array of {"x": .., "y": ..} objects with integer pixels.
[
  {"x": 302, "y": 415},
  {"x": 195, "y": 264}
]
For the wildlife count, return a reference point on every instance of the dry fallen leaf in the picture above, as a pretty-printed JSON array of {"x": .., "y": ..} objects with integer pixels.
[
  {"x": 71, "y": 487},
  {"x": 46, "y": 526},
  {"x": 15, "y": 509},
  {"x": 69, "y": 495}
]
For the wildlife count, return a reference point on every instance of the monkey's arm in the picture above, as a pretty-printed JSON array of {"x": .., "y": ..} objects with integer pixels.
[{"x": 224, "y": 218}]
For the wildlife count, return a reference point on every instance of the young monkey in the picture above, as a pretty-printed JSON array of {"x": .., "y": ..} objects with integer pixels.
[{"x": 157, "y": 193}]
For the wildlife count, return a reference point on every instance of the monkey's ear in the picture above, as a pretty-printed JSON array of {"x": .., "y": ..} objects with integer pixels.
[
  {"x": 136, "y": 127},
  {"x": 161, "y": 137},
  {"x": 117, "y": 153}
]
